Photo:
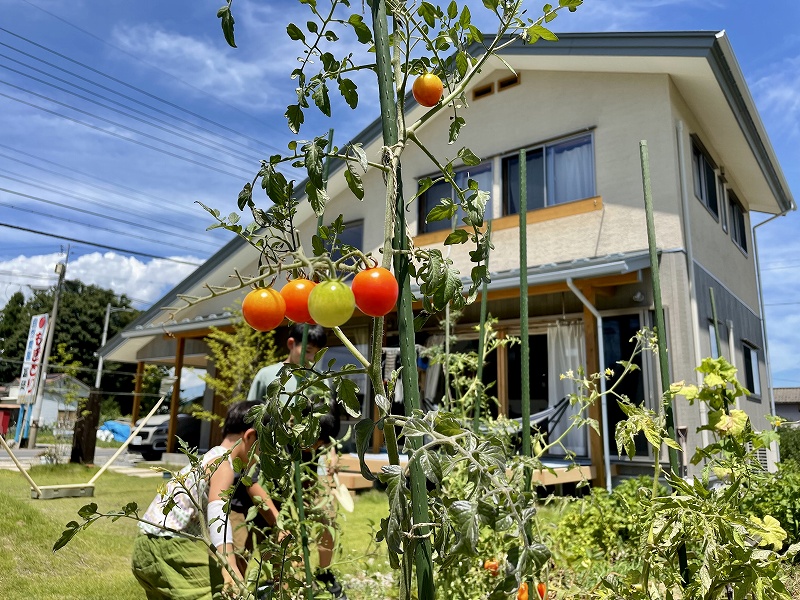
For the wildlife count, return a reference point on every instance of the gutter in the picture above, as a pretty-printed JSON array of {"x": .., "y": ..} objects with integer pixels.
[{"x": 601, "y": 358}]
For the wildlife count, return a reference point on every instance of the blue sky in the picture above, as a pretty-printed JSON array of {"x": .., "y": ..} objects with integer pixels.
[{"x": 178, "y": 117}]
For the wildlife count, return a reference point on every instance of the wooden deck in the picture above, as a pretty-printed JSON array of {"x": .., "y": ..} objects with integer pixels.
[{"x": 350, "y": 471}]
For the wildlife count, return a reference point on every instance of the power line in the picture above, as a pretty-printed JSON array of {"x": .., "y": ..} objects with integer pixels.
[
  {"x": 147, "y": 120},
  {"x": 141, "y": 91},
  {"x": 116, "y": 124},
  {"x": 138, "y": 225},
  {"x": 95, "y": 245},
  {"x": 90, "y": 225}
]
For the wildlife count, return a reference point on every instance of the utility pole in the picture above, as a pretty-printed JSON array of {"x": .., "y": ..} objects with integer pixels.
[
  {"x": 61, "y": 270},
  {"x": 109, "y": 310}
]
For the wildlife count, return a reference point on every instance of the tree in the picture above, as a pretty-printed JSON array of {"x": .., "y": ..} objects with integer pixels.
[{"x": 79, "y": 327}]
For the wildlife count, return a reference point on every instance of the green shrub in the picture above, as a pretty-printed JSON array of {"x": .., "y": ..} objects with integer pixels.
[{"x": 790, "y": 443}]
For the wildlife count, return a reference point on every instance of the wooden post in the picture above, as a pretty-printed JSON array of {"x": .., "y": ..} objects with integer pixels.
[
  {"x": 176, "y": 396},
  {"x": 137, "y": 392},
  {"x": 502, "y": 375},
  {"x": 593, "y": 366},
  {"x": 84, "y": 440}
]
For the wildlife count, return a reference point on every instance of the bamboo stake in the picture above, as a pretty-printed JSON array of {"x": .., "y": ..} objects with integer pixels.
[
  {"x": 419, "y": 496},
  {"x": 525, "y": 351},
  {"x": 482, "y": 339}
]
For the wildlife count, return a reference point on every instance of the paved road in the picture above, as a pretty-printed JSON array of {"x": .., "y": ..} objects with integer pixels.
[{"x": 125, "y": 463}]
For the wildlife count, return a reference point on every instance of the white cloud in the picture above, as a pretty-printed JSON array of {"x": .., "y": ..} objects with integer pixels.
[
  {"x": 777, "y": 97},
  {"x": 144, "y": 282}
]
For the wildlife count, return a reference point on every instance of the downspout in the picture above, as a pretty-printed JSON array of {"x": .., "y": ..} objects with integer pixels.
[
  {"x": 732, "y": 357},
  {"x": 767, "y": 363},
  {"x": 601, "y": 359},
  {"x": 687, "y": 240}
]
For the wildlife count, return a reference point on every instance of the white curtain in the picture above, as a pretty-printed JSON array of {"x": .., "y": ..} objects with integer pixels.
[
  {"x": 570, "y": 171},
  {"x": 565, "y": 352}
]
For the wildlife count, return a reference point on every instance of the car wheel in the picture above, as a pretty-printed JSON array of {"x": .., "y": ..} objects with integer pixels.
[{"x": 151, "y": 455}]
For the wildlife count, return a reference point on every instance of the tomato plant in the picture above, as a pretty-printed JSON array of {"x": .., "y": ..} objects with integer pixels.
[
  {"x": 331, "y": 303},
  {"x": 522, "y": 592},
  {"x": 427, "y": 89},
  {"x": 492, "y": 566},
  {"x": 296, "y": 293},
  {"x": 263, "y": 309},
  {"x": 375, "y": 291}
]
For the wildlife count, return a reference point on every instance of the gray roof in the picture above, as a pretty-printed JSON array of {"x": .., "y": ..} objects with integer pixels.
[{"x": 787, "y": 395}]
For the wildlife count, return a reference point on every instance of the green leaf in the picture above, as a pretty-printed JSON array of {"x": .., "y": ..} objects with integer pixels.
[
  {"x": 464, "y": 515},
  {"x": 440, "y": 212},
  {"x": 294, "y": 32},
  {"x": 383, "y": 403},
  {"x": 459, "y": 236},
  {"x": 294, "y": 114},
  {"x": 321, "y": 99},
  {"x": 349, "y": 91},
  {"x": 354, "y": 183},
  {"x": 70, "y": 532},
  {"x": 466, "y": 18},
  {"x": 363, "y": 32},
  {"x": 452, "y": 9},
  {"x": 392, "y": 476},
  {"x": 462, "y": 63},
  {"x": 346, "y": 393},
  {"x": 455, "y": 128},
  {"x": 88, "y": 511},
  {"x": 245, "y": 196},
  {"x": 314, "y": 156},
  {"x": 535, "y": 32},
  {"x": 363, "y": 430},
  {"x": 468, "y": 157},
  {"x": 317, "y": 197},
  {"x": 428, "y": 12},
  {"x": 227, "y": 22},
  {"x": 359, "y": 153}
]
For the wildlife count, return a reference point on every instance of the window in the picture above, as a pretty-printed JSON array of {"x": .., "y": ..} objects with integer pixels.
[
  {"x": 705, "y": 180},
  {"x": 712, "y": 336},
  {"x": 738, "y": 224},
  {"x": 481, "y": 173},
  {"x": 752, "y": 377},
  {"x": 556, "y": 173}
]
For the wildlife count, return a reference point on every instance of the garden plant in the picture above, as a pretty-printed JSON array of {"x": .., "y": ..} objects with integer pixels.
[{"x": 462, "y": 515}]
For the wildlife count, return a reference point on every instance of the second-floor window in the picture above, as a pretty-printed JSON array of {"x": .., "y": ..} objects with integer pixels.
[
  {"x": 431, "y": 197},
  {"x": 738, "y": 222},
  {"x": 705, "y": 180},
  {"x": 557, "y": 172},
  {"x": 752, "y": 375}
]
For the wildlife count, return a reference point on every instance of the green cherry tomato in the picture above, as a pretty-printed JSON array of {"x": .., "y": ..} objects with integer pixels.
[{"x": 331, "y": 303}]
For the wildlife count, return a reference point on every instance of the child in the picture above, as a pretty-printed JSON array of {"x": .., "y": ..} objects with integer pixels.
[{"x": 166, "y": 561}]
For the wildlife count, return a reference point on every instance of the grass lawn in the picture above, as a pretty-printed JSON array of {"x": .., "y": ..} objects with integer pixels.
[{"x": 96, "y": 564}]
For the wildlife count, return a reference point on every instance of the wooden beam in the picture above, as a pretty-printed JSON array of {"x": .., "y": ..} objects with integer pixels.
[
  {"x": 502, "y": 374},
  {"x": 593, "y": 366},
  {"x": 137, "y": 392},
  {"x": 176, "y": 395}
]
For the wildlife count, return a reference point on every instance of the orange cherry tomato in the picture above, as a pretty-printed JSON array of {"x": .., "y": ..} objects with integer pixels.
[
  {"x": 427, "y": 89},
  {"x": 296, "y": 293},
  {"x": 492, "y": 566},
  {"x": 541, "y": 589},
  {"x": 522, "y": 592},
  {"x": 263, "y": 309}
]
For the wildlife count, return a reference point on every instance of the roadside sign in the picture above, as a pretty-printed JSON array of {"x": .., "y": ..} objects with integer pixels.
[{"x": 32, "y": 362}]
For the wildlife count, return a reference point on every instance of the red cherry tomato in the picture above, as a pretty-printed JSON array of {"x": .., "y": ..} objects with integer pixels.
[
  {"x": 263, "y": 309},
  {"x": 296, "y": 293},
  {"x": 541, "y": 589},
  {"x": 331, "y": 303},
  {"x": 375, "y": 291},
  {"x": 427, "y": 89}
]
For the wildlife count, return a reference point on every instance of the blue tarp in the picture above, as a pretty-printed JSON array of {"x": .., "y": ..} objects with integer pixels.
[{"x": 121, "y": 431}]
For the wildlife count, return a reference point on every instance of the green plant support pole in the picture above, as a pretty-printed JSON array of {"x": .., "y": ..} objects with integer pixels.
[
  {"x": 661, "y": 330},
  {"x": 525, "y": 350},
  {"x": 298, "y": 479},
  {"x": 419, "y": 496},
  {"x": 476, "y": 421}
]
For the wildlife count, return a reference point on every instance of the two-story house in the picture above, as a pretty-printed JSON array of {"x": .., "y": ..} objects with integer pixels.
[{"x": 580, "y": 108}]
